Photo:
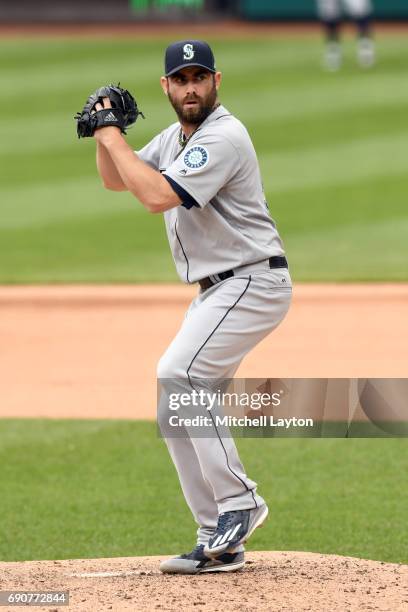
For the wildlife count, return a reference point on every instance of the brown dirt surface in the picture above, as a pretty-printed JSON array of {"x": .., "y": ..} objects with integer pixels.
[
  {"x": 272, "y": 581},
  {"x": 91, "y": 352},
  {"x": 215, "y": 28},
  {"x": 229, "y": 28}
]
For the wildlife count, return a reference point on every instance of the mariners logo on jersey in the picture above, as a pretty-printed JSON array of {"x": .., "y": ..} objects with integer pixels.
[{"x": 196, "y": 157}]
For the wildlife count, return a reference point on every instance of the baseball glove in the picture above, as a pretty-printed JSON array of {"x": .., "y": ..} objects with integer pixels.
[{"x": 123, "y": 113}]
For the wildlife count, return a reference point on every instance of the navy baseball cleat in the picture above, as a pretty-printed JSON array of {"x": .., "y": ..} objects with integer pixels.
[
  {"x": 234, "y": 528},
  {"x": 197, "y": 562}
]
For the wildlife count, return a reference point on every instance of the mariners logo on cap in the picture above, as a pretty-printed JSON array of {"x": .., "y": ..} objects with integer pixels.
[
  {"x": 188, "y": 51},
  {"x": 196, "y": 157}
]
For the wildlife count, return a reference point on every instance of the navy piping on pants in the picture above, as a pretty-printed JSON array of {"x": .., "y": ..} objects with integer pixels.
[{"x": 191, "y": 384}]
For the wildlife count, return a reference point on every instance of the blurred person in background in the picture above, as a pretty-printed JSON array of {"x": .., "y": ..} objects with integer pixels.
[{"x": 331, "y": 13}]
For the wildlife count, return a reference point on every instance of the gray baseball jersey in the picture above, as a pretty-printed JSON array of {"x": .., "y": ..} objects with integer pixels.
[{"x": 224, "y": 221}]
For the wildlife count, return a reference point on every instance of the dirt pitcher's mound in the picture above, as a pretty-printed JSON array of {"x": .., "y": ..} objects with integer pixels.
[{"x": 277, "y": 581}]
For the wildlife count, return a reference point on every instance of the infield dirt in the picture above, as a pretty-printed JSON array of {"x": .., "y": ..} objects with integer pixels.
[
  {"x": 272, "y": 581},
  {"x": 91, "y": 352}
]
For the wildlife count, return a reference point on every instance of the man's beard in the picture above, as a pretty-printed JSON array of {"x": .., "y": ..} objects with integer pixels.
[{"x": 196, "y": 114}]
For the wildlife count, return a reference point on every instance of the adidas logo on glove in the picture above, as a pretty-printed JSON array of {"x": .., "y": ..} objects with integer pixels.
[
  {"x": 122, "y": 114},
  {"x": 110, "y": 117}
]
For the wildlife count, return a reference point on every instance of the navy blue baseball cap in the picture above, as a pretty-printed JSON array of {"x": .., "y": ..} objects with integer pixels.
[{"x": 185, "y": 53}]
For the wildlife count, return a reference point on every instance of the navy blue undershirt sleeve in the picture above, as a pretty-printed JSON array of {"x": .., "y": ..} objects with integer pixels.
[{"x": 187, "y": 200}]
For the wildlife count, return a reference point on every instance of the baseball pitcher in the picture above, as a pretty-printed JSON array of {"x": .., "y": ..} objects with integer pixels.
[{"x": 202, "y": 173}]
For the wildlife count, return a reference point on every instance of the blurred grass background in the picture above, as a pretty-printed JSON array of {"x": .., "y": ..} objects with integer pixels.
[
  {"x": 86, "y": 489},
  {"x": 90, "y": 489},
  {"x": 333, "y": 149}
]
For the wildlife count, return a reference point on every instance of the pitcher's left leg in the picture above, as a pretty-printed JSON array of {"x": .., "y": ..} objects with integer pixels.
[{"x": 229, "y": 320}]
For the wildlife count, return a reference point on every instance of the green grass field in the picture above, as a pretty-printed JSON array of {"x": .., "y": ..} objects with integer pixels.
[
  {"x": 333, "y": 150},
  {"x": 99, "y": 489}
]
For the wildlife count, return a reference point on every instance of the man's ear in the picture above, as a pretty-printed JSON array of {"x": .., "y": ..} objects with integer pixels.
[
  {"x": 164, "y": 82},
  {"x": 218, "y": 79}
]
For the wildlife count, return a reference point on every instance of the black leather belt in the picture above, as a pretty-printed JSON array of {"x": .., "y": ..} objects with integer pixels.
[{"x": 276, "y": 261}]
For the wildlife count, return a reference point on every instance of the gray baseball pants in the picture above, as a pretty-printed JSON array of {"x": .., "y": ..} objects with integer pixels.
[{"x": 221, "y": 326}]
